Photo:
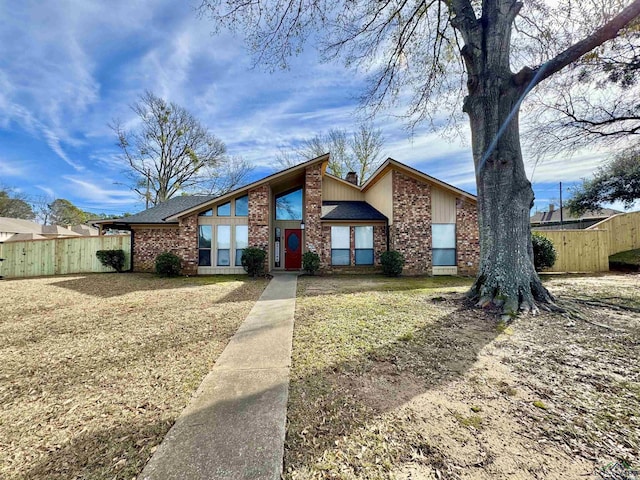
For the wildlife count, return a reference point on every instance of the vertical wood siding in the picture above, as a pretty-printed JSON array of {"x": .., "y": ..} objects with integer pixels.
[{"x": 60, "y": 256}]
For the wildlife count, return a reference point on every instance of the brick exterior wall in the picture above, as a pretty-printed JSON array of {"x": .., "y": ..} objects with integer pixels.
[
  {"x": 188, "y": 244},
  {"x": 379, "y": 242},
  {"x": 410, "y": 233},
  {"x": 148, "y": 243},
  {"x": 182, "y": 240},
  {"x": 259, "y": 202},
  {"x": 467, "y": 237},
  {"x": 314, "y": 234}
]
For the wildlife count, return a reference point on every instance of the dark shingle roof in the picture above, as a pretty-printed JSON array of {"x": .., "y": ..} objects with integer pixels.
[
  {"x": 554, "y": 215},
  {"x": 166, "y": 209},
  {"x": 350, "y": 210}
]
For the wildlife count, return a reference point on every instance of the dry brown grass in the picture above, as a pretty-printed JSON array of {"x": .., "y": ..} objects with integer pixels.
[
  {"x": 401, "y": 379},
  {"x": 95, "y": 369}
]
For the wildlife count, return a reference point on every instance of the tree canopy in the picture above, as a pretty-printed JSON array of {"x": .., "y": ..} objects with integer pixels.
[
  {"x": 171, "y": 152},
  {"x": 63, "y": 212},
  {"x": 13, "y": 205},
  {"x": 618, "y": 180},
  {"x": 426, "y": 55}
]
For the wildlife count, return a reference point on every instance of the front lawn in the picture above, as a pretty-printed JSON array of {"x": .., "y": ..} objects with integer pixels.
[
  {"x": 95, "y": 369},
  {"x": 400, "y": 378}
]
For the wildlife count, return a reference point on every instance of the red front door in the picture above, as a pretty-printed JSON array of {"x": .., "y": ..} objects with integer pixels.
[{"x": 293, "y": 249}]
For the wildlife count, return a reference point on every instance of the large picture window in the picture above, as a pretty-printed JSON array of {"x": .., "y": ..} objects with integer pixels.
[
  {"x": 340, "y": 246},
  {"x": 242, "y": 242},
  {"x": 364, "y": 245},
  {"x": 224, "y": 245},
  {"x": 204, "y": 245},
  {"x": 289, "y": 206},
  {"x": 224, "y": 210},
  {"x": 444, "y": 244}
]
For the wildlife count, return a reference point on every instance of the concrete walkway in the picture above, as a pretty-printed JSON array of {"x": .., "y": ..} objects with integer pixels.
[{"x": 234, "y": 427}]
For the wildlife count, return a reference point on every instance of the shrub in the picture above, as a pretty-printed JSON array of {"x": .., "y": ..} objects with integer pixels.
[
  {"x": 392, "y": 263},
  {"x": 253, "y": 260},
  {"x": 544, "y": 253},
  {"x": 111, "y": 258},
  {"x": 168, "y": 264},
  {"x": 311, "y": 262}
]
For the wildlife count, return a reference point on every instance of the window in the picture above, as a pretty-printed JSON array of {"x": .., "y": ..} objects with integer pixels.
[
  {"x": 242, "y": 242},
  {"x": 364, "y": 245},
  {"x": 206, "y": 213},
  {"x": 340, "y": 246},
  {"x": 224, "y": 245},
  {"x": 242, "y": 206},
  {"x": 224, "y": 210},
  {"x": 204, "y": 246},
  {"x": 289, "y": 206},
  {"x": 444, "y": 244}
]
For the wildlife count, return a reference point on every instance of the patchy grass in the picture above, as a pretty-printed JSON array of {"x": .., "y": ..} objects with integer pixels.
[
  {"x": 626, "y": 261},
  {"x": 95, "y": 369},
  {"x": 388, "y": 382}
]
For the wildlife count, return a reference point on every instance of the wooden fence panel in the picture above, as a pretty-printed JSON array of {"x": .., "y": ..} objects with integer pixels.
[
  {"x": 59, "y": 256},
  {"x": 579, "y": 250},
  {"x": 624, "y": 231}
]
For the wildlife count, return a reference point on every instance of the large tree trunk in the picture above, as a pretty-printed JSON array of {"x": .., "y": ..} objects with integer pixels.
[{"x": 506, "y": 276}]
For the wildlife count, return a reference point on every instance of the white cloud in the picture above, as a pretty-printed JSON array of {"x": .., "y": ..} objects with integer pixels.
[
  {"x": 93, "y": 192},
  {"x": 11, "y": 169}
]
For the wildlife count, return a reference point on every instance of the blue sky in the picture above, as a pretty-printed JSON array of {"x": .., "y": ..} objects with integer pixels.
[{"x": 68, "y": 68}]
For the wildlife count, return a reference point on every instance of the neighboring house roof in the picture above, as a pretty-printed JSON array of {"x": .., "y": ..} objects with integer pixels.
[
  {"x": 18, "y": 225},
  {"x": 86, "y": 230},
  {"x": 350, "y": 210},
  {"x": 553, "y": 216},
  {"x": 20, "y": 237},
  {"x": 161, "y": 212},
  {"x": 58, "y": 231}
]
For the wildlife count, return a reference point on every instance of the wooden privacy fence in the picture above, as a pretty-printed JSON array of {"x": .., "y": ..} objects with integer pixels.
[
  {"x": 589, "y": 250},
  {"x": 59, "y": 256},
  {"x": 579, "y": 250},
  {"x": 623, "y": 231}
]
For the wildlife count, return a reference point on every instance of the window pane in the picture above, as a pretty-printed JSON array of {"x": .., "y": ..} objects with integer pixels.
[
  {"x": 444, "y": 235},
  {"x": 444, "y": 257},
  {"x": 340, "y": 237},
  {"x": 204, "y": 237},
  {"x": 223, "y": 257},
  {"x": 340, "y": 256},
  {"x": 242, "y": 242},
  {"x": 364, "y": 237},
  {"x": 206, "y": 213},
  {"x": 364, "y": 256},
  {"x": 224, "y": 236},
  {"x": 289, "y": 206},
  {"x": 204, "y": 258},
  {"x": 239, "y": 257},
  {"x": 224, "y": 210},
  {"x": 242, "y": 236},
  {"x": 242, "y": 206}
]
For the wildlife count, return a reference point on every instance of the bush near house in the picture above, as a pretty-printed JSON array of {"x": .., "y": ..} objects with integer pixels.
[
  {"x": 311, "y": 262},
  {"x": 168, "y": 265},
  {"x": 392, "y": 263},
  {"x": 112, "y": 258},
  {"x": 253, "y": 259},
  {"x": 544, "y": 253}
]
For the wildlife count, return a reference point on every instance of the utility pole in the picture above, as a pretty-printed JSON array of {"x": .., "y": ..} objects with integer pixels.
[{"x": 561, "y": 218}]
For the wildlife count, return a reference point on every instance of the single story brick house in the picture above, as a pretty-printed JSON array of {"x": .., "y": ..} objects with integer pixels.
[{"x": 305, "y": 208}]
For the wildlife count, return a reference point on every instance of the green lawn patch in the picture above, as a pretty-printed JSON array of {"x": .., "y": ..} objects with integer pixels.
[{"x": 625, "y": 261}]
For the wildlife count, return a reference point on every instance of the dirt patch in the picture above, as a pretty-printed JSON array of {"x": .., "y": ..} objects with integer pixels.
[
  {"x": 412, "y": 383},
  {"x": 95, "y": 369}
]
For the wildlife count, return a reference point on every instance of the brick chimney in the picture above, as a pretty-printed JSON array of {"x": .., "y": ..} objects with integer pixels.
[
  {"x": 352, "y": 177},
  {"x": 552, "y": 207}
]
